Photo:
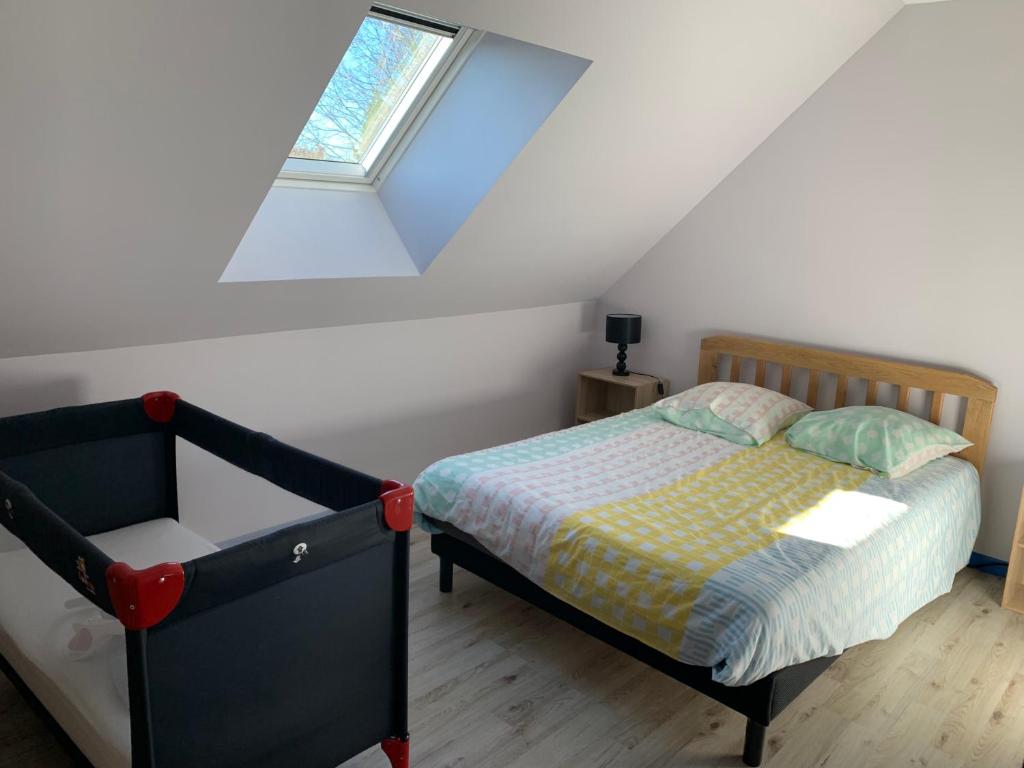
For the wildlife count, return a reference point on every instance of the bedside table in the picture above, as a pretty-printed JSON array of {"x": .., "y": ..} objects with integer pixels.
[
  {"x": 601, "y": 393},
  {"x": 1013, "y": 592}
]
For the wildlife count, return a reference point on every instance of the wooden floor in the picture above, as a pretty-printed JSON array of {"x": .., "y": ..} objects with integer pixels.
[{"x": 498, "y": 684}]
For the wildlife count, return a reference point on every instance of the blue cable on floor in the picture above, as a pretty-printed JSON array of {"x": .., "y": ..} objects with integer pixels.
[{"x": 987, "y": 564}]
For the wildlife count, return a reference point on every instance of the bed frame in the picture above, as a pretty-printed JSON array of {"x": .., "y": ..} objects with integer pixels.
[
  {"x": 290, "y": 648},
  {"x": 805, "y": 373}
]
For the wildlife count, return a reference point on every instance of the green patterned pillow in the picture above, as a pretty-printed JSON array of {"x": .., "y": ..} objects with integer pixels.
[
  {"x": 741, "y": 413},
  {"x": 705, "y": 421},
  {"x": 889, "y": 442}
]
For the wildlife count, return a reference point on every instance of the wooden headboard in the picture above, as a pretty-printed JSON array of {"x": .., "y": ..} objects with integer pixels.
[{"x": 979, "y": 395}]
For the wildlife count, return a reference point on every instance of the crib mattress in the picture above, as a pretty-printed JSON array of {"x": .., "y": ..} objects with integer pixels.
[
  {"x": 71, "y": 654},
  {"x": 745, "y": 560}
]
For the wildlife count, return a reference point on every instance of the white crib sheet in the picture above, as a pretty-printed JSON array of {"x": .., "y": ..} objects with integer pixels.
[{"x": 86, "y": 692}]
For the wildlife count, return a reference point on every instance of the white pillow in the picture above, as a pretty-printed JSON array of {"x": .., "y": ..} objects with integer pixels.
[{"x": 741, "y": 413}]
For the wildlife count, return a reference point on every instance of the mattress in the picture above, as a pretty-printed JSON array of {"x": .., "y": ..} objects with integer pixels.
[
  {"x": 71, "y": 654},
  {"x": 745, "y": 560}
]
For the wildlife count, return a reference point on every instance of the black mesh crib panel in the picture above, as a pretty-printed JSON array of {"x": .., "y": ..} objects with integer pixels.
[
  {"x": 98, "y": 467},
  {"x": 289, "y": 650},
  {"x": 312, "y": 477}
]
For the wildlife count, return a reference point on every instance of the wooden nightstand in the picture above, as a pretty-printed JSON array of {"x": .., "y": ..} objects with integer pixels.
[
  {"x": 1013, "y": 592},
  {"x": 601, "y": 393}
]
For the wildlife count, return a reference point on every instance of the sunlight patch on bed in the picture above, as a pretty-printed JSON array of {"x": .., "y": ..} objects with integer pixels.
[{"x": 843, "y": 518}]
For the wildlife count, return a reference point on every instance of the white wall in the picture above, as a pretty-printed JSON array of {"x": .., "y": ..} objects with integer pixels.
[
  {"x": 886, "y": 216},
  {"x": 302, "y": 234},
  {"x": 387, "y": 398},
  {"x": 138, "y": 139}
]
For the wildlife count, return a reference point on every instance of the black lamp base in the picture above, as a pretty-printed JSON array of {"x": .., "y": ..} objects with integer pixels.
[{"x": 620, "y": 369}]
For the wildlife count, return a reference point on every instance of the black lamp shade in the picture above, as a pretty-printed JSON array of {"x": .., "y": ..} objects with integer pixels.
[{"x": 622, "y": 329}]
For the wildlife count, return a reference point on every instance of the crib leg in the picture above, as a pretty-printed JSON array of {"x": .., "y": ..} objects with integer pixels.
[
  {"x": 447, "y": 574},
  {"x": 397, "y": 751},
  {"x": 753, "y": 745}
]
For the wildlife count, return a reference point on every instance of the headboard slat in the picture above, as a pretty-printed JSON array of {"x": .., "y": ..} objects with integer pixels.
[
  {"x": 872, "y": 394},
  {"x": 935, "y": 415},
  {"x": 734, "y": 372},
  {"x": 812, "y": 389},
  {"x": 841, "y": 383},
  {"x": 787, "y": 379},
  {"x": 762, "y": 370},
  {"x": 979, "y": 393},
  {"x": 904, "y": 398}
]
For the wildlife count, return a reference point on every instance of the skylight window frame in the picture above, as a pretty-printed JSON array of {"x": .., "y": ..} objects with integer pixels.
[{"x": 330, "y": 172}]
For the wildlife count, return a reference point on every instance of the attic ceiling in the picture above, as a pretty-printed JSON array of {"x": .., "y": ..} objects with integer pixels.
[{"x": 139, "y": 139}]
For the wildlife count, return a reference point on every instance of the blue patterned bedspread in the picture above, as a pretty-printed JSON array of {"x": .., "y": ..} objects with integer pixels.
[{"x": 745, "y": 560}]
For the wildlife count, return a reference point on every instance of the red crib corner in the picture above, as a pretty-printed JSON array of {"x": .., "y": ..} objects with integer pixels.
[
  {"x": 159, "y": 406},
  {"x": 397, "y": 750},
  {"x": 397, "y": 499},
  {"x": 144, "y": 598}
]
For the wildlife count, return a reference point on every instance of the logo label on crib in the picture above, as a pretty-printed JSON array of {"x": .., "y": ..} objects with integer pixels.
[
  {"x": 83, "y": 576},
  {"x": 300, "y": 551}
]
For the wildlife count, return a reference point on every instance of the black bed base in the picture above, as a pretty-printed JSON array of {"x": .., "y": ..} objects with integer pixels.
[{"x": 759, "y": 702}]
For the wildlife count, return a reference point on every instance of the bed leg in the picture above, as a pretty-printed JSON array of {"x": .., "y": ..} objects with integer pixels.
[
  {"x": 397, "y": 750},
  {"x": 447, "y": 573},
  {"x": 753, "y": 745}
]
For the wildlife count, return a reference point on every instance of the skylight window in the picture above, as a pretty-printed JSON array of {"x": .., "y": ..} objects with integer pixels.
[{"x": 388, "y": 74}]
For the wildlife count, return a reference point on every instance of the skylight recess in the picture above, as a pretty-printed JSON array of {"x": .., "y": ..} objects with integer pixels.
[{"x": 394, "y": 63}]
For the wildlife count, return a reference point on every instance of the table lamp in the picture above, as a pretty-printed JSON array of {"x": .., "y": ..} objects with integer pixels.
[{"x": 622, "y": 329}]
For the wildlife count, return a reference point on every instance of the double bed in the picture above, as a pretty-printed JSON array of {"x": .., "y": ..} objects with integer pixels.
[{"x": 742, "y": 572}]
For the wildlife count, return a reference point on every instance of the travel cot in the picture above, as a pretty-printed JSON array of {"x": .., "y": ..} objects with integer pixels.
[{"x": 287, "y": 649}]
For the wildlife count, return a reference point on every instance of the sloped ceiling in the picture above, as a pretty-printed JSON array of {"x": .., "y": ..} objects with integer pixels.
[{"x": 138, "y": 139}]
